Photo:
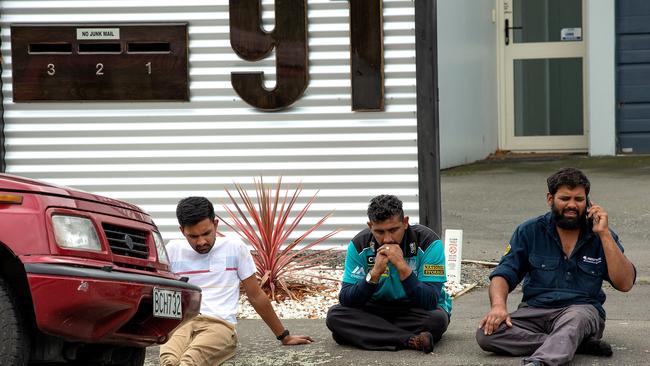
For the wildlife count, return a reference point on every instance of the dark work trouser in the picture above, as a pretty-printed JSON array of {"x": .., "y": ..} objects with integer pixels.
[
  {"x": 547, "y": 335},
  {"x": 382, "y": 327}
]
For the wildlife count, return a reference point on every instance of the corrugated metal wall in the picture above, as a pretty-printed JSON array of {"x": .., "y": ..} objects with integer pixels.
[
  {"x": 633, "y": 75},
  {"x": 153, "y": 154}
]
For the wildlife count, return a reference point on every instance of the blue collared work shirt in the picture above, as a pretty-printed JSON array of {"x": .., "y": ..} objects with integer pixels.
[{"x": 551, "y": 279}]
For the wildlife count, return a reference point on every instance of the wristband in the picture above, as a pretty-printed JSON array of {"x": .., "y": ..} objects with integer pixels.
[{"x": 282, "y": 336}]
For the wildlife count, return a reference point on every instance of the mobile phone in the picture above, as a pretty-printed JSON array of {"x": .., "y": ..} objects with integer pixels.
[{"x": 590, "y": 220}]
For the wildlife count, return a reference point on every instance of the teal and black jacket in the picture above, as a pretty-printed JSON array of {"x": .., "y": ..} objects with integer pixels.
[{"x": 423, "y": 251}]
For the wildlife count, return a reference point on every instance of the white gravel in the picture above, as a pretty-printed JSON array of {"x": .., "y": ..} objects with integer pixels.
[{"x": 316, "y": 306}]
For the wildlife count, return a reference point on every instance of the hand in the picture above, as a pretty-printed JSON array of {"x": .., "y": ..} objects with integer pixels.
[
  {"x": 393, "y": 252},
  {"x": 600, "y": 217},
  {"x": 381, "y": 262},
  {"x": 395, "y": 256},
  {"x": 292, "y": 340},
  {"x": 497, "y": 315}
]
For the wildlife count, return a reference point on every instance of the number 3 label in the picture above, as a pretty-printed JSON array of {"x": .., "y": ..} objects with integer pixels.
[{"x": 50, "y": 69}]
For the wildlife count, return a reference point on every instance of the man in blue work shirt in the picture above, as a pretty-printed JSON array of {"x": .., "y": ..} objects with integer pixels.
[
  {"x": 563, "y": 258},
  {"x": 392, "y": 296}
]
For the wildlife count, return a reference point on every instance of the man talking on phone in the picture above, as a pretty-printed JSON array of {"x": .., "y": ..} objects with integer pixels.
[
  {"x": 562, "y": 258},
  {"x": 392, "y": 296}
]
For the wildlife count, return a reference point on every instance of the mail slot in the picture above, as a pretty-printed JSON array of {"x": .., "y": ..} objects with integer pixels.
[{"x": 95, "y": 62}]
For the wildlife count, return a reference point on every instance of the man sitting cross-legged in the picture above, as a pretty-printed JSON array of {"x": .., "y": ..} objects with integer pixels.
[{"x": 392, "y": 296}]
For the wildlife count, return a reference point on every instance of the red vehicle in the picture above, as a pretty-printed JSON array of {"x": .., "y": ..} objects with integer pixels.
[{"x": 84, "y": 279}]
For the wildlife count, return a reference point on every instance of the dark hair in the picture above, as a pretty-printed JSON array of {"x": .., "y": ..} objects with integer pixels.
[
  {"x": 570, "y": 177},
  {"x": 383, "y": 207},
  {"x": 192, "y": 210}
]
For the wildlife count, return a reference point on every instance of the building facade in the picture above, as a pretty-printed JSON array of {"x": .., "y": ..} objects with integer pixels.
[
  {"x": 153, "y": 153},
  {"x": 515, "y": 75},
  {"x": 543, "y": 76}
]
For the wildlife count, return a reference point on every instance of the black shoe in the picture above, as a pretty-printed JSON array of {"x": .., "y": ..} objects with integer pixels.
[
  {"x": 421, "y": 342},
  {"x": 595, "y": 347},
  {"x": 534, "y": 363}
]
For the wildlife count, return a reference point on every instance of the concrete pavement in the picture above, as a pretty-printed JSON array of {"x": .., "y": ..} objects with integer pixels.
[
  {"x": 488, "y": 200},
  {"x": 626, "y": 329}
]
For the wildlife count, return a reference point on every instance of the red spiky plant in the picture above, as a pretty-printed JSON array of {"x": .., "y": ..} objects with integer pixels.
[{"x": 267, "y": 223}]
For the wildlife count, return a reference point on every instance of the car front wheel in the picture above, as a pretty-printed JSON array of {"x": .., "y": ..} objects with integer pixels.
[
  {"x": 14, "y": 337},
  {"x": 103, "y": 355}
]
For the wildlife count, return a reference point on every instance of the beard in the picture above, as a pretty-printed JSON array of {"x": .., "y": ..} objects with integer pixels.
[{"x": 568, "y": 223}]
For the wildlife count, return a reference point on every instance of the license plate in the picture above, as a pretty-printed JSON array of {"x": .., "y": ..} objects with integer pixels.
[{"x": 167, "y": 303}]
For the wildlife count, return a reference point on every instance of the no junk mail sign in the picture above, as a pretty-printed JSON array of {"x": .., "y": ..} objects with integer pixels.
[{"x": 289, "y": 40}]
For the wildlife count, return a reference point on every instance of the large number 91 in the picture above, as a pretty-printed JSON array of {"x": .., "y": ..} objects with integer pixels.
[{"x": 289, "y": 38}]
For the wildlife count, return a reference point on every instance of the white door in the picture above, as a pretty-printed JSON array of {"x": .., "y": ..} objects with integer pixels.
[{"x": 542, "y": 75}]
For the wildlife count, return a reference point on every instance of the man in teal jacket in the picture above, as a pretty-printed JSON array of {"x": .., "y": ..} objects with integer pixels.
[{"x": 392, "y": 296}]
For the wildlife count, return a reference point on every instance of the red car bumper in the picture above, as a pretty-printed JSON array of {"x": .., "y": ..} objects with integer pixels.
[{"x": 101, "y": 306}]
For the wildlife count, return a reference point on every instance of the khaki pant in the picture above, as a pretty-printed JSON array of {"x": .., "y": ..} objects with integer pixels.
[{"x": 202, "y": 341}]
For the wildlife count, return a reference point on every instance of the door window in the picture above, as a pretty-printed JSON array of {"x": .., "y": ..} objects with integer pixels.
[
  {"x": 547, "y": 20},
  {"x": 548, "y": 97}
]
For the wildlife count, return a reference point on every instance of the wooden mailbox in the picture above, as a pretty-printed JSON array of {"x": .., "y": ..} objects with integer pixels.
[{"x": 95, "y": 62}]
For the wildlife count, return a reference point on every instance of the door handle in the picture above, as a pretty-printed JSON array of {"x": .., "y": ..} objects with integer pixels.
[{"x": 507, "y": 30}]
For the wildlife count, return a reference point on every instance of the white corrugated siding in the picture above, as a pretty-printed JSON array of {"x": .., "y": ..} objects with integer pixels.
[{"x": 153, "y": 154}]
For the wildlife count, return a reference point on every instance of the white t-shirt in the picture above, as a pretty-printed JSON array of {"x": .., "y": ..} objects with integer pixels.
[{"x": 218, "y": 273}]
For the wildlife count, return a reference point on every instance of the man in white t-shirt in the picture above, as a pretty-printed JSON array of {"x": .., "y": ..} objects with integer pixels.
[{"x": 217, "y": 265}]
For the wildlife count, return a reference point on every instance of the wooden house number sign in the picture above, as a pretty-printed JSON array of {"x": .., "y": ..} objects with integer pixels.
[{"x": 289, "y": 39}]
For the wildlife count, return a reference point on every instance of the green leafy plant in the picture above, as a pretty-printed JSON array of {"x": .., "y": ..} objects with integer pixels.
[{"x": 267, "y": 223}]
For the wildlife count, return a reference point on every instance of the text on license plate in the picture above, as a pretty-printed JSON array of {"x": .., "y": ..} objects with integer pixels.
[{"x": 167, "y": 303}]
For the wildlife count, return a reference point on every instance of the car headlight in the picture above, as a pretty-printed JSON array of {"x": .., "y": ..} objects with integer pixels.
[
  {"x": 160, "y": 248},
  {"x": 75, "y": 232}
]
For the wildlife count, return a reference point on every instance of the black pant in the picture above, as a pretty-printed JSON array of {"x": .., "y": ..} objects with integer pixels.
[{"x": 383, "y": 327}]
